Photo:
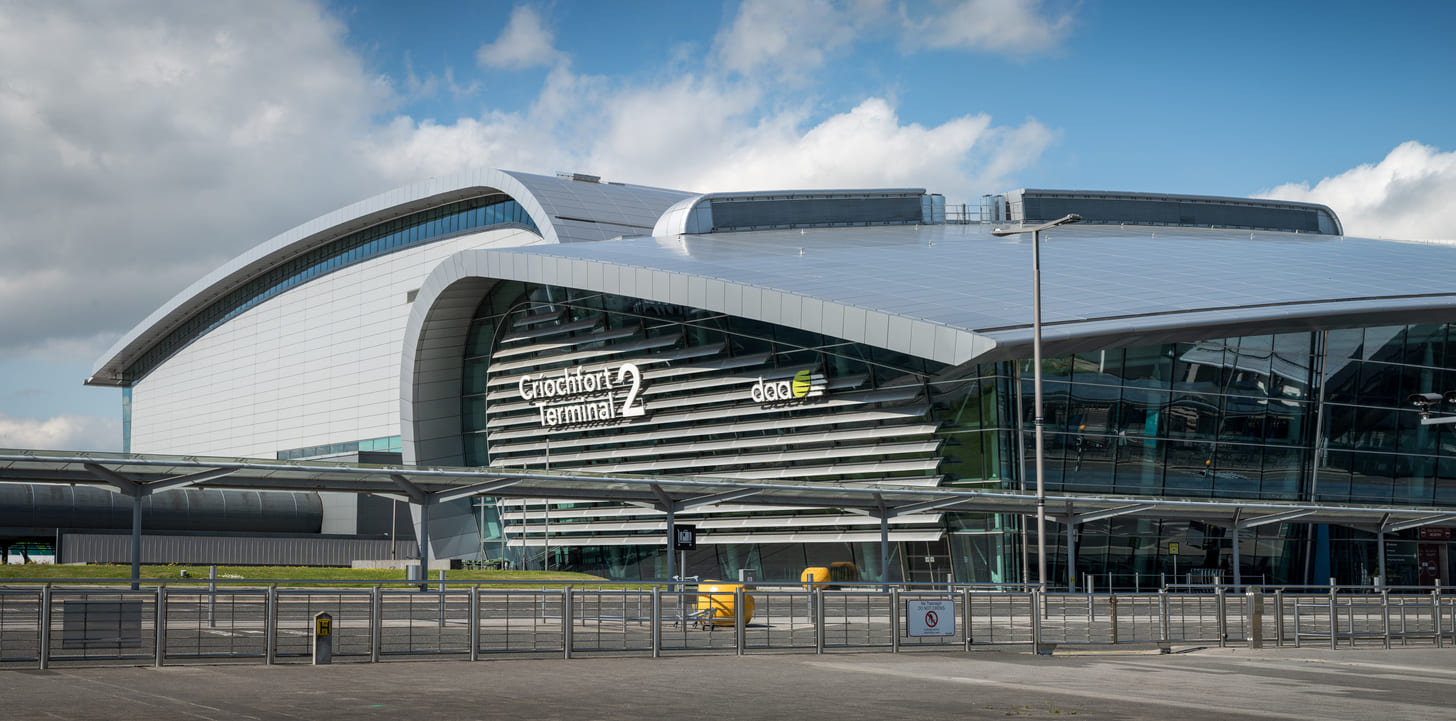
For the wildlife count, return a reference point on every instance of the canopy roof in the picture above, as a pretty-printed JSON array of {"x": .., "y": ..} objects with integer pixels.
[{"x": 142, "y": 474}]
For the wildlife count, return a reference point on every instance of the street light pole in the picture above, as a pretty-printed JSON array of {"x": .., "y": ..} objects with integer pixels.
[{"x": 1038, "y": 421}]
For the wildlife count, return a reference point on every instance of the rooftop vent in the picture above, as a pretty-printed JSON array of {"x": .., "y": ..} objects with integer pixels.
[
  {"x": 720, "y": 212},
  {"x": 1096, "y": 206},
  {"x": 580, "y": 177}
]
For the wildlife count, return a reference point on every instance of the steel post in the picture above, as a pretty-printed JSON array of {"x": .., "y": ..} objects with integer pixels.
[
  {"x": 1036, "y": 601},
  {"x": 566, "y": 622},
  {"x": 44, "y": 628},
  {"x": 270, "y": 625},
  {"x": 1220, "y": 604},
  {"x": 160, "y": 634},
  {"x": 656, "y": 622},
  {"x": 1279, "y": 617},
  {"x": 1255, "y": 610},
  {"x": 1385, "y": 614},
  {"x": 818, "y": 621},
  {"x": 376, "y": 622},
  {"x": 212, "y": 596},
  {"x": 475, "y": 622},
  {"x": 1296, "y": 622},
  {"x": 1334, "y": 615},
  {"x": 895, "y": 620},
  {"x": 1436, "y": 615},
  {"x": 740, "y": 623},
  {"x": 966, "y": 615}
]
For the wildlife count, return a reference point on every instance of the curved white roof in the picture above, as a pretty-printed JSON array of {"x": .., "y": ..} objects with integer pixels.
[
  {"x": 565, "y": 211},
  {"x": 954, "y": 293}
]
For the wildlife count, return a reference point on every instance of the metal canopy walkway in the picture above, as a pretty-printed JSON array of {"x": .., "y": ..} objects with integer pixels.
[{"x": 138, "y": 476}]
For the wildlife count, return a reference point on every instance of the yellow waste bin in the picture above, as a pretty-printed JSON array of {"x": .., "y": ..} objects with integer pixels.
[
  {"x": 815, "y": 577},
  {"x": 717, "y": 603}
]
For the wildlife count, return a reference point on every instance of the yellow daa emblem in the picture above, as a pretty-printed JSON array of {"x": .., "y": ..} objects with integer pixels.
[{"x": 803, "y": 382}]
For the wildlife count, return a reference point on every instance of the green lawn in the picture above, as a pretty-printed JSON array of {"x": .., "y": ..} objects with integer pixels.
[{"x": 292, "y": 574}]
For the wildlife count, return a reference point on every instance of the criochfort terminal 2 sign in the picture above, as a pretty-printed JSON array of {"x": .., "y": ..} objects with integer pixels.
[
  {"x": 802, "y": 386},
  {"x": 577, "y": 395}
]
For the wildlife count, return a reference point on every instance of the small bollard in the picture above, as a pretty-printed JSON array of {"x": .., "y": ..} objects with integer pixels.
[
  {"x": 323, "y": 638},
  {"x": 1112, "y": 612},
  {"x": 1255, "y": 600}
]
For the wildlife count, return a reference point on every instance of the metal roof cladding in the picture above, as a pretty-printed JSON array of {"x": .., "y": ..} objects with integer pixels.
[{"x": 954, "y": 293}]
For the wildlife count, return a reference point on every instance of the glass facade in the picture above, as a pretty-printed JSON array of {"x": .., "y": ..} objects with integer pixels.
[
  {"x": 1304, "y": 417},
  {"x": 422, "y": 227},
  {"x": 389, "y": 444},
  {"x": 1226, "y": 418},
  {"x": 1299, "y": 417}
]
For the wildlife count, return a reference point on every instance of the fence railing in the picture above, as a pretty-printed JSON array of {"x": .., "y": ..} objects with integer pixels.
[{"x": 84, "y": 623}]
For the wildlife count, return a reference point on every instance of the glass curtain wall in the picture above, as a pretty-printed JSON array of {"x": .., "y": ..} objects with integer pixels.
[{"x": 1229, "y": 418}]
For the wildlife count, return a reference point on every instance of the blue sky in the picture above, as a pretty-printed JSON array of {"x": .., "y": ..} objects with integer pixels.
[
  {"x": 1218, "y": 98},
  {"x": 143, "y": 144}
]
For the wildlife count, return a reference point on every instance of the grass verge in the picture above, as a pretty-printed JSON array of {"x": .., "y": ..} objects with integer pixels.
[{"x": 296, "y": 575}]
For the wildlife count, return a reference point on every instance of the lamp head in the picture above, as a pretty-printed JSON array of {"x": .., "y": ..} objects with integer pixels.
[{"x": 1064, "y": 220}]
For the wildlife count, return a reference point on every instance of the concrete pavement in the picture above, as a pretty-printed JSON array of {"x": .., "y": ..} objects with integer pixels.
[{"x": 1190, "y": 685}]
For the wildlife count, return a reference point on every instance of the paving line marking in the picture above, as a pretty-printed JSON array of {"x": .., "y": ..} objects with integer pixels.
[
  {"x": 122, "y": 691},
  {"x": 1232, "y": 711},
  {"x": 1415, "y": 674}
]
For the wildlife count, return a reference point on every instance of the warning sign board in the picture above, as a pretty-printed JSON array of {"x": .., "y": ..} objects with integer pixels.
[{"x": 929, "y": 618}]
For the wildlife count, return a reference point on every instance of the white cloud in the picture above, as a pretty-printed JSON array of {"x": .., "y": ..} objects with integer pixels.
[
  {"x": 1408, "y": 195},
  {"x": 1011, "y": 27},
  {"x": 88, "y": 433},
  {"x": 707, "y": 135},
  {"x": 524, "y": 43},
  {"x": 785, "y": 40},
  {"x": 142, "y": 145},
  {"x": 788, "y": 36},
  {"x": 713, "y": 132}
]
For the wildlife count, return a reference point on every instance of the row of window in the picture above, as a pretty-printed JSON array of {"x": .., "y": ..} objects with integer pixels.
[
  {"x": 421, "y": 227},
  {"x": 388, "y": 444}
]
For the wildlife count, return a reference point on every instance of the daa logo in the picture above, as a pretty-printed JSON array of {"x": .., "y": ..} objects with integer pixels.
[{"x": 804, "y": 385}]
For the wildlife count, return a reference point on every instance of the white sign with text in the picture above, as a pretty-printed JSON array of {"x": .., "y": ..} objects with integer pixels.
[{"x": 929, "y": 618}]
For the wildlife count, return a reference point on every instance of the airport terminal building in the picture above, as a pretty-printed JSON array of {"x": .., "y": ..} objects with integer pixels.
[{"x": 1195, "y": 347}]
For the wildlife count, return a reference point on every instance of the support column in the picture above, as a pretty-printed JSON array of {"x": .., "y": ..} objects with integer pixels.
[
  {"x": 1071, "y": 550},
  {"x": 1380, "y": 553},
  {"x": 424, "y": 542},
  {"x": 885, "y": 551},
  {"x": 670, "y": 552},
  {"x": 136, "y": 541},
  {"x": 1238, "y": 565}
]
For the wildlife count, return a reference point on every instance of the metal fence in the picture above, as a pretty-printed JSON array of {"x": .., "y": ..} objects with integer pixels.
[{"x": 51, "y": 623}]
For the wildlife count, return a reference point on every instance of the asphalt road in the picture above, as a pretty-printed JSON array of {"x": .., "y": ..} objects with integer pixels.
[{"x": 1192, "y": 684}]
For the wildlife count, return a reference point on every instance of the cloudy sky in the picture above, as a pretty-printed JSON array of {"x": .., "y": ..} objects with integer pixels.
[{"x": 142, "y": 144}]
